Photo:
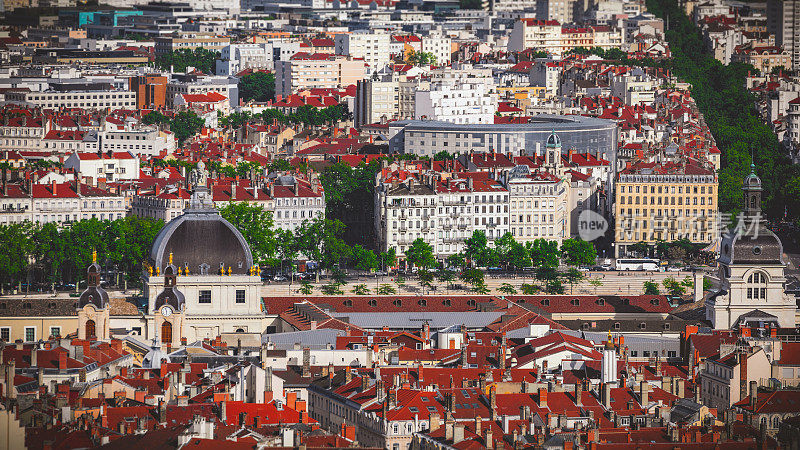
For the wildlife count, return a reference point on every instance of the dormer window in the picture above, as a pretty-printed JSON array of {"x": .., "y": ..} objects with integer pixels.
[
  {"x": 546, "y": 302},
  {"x": 372, "y": 303}
]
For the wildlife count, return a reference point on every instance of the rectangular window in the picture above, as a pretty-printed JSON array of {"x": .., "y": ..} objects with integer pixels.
[
  {"x": 5, "y": 334},
  {"x": 30, "y": 334},
  {"x": 205, "y": 297},
  {"x": 55, "y": 332},
  {"x": 240, "y": 296}
]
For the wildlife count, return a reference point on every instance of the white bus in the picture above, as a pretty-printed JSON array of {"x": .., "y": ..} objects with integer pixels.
[{"x": 629, "y": 264}]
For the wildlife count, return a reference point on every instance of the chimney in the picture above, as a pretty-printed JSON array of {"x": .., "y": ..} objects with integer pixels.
[
  {"x": 458, "y": 433},
  {"x": 62, "y": 360},
  {"x": 364, "y": 383},
  {"x": 233, "y": 191},
  {"x": 55, "y": 188},
  {"x": 488, "y": 440},
  {"x": 578, "y": 394},
  {"x": 542, "y": 398},
  {"x": 478, "y": 425},
  {"x": 448, "y": 430},
  {"x": 753, "y": 393},
  {"x": 645, "y": 393},
  {"x": 493, "y": 401},
  {"x": 306, "y": 362},
  {"x": 433, "y": 422},
  {"x": 607, "y": 395}
]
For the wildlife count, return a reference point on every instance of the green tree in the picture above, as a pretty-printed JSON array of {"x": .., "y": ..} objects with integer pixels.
[
  {"x": 388, "y": 258},
  {"x": 331, "y": 289},
  {"x": 651, "y": 288},
  {"x": 364, "y": 259},
  {"x": 16, "y": 240},
  {"x": 443, "y": 155},
  {"x": 257, "y": 227},
  {"x": 306, "y": 288},
  {"x": 154, "y": 118},
  {"x": 420, "y": 254},
  {"x": 258, "y": 86},
  {"x": 555, "y": 287},
  {"x": 473, "y": 277},
  {"x": 445, "y": 275},
  {"x": 673, "y": 286},
  {"x": 360, "y": 289},
  {"x": 577, "y": 252},
  {"x": 543, "y": 253},
  {"x": 185, "y": 124},
  {"x": 425, "y": 279},
  {"x": 529, "y": 289},
  {"x": 179, "y": 60},
  {"x": 386, "y": 289},
  {"x": 572, "y": 276},
  {"x": 507, "y": 288}
]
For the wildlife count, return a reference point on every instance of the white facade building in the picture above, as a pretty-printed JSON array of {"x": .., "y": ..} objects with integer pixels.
[{"x": 372, "y": 46}]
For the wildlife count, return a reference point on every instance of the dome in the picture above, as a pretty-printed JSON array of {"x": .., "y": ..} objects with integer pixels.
[
  {"x": 752, "y": 181},
  {"x": 553, "y": 140},
  {"x": 758, "y": 245},
  {"x": 94, "y": 294},
  {"x": 202, "y": 241}
]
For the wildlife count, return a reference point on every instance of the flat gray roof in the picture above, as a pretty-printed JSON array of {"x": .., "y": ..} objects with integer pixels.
[{"x": 415, "y": 320}]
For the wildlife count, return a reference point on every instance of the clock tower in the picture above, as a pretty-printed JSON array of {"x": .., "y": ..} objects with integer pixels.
[
  {"x": 751, "y": 270},
  {"x": 93, "y": 308}
]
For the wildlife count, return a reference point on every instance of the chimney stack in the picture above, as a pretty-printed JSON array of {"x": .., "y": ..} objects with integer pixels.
[{"x": 542, "y": 398}]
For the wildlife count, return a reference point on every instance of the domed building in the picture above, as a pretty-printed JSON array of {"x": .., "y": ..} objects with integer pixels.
[
  {"x": 200, "y": 280},
  {"x": 751, "y": 270}
]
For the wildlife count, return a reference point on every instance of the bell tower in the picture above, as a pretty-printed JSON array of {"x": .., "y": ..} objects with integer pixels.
[{"x": 93, "y": 309}]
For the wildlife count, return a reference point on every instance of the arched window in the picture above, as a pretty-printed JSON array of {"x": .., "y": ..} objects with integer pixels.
[
  {"x": 757, "y": 286},
  {"x": 90, "y": 329},
  {"x": 166, "y": 332}
]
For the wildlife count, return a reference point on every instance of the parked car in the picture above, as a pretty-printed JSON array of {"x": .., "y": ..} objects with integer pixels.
[
  {"x": 279, "y": 277},
  {"x": 673, "y": 269}
]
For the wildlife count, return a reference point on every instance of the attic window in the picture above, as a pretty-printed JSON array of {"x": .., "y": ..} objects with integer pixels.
[
  {"x": 546, "y": 302},
  {"x": 372, "y": 302},
  {"x": 601, "y": 301},
  {"x": 3, "y": 305},
  {"x": 654, "y": 301},
  {"x": 616, "y": 325},
  {"x": 575, "y": 302},
  {"x": 413, "y": 409},
  {"x": 26, "y": 305},
  {"x": 51, "y": 305},
  {"x": 397, "y": 302},
  {"x": 471, "y": 302},
  {"x": 446, "y": 302},
  {"x": 626, "y": 301},
  {"x": 422, "y": 302},
  {"x": 666, "y": 326},
  {"x": 642, "y": 326},
  {"x": 348, "y": 302},
  {"x": 585, "y": 326}
]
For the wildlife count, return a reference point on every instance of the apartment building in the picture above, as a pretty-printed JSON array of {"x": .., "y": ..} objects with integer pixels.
[
  {"x": 376, "y": 101},
  {"x": 194, "y": 85},
  {"x": 319, "y": 70},
  {"x": 762, "y": 57},
  {"x": 634, "y": 88},
  {"x": 550, "y": 36},
  {"x": 22, "y": 133},
  {"x": 113, "y": 166},
  {"x": 439, "y": 45},
  {"x": 235, "y": 58},
  {"x": 665, "y": 201},
  {"x": 457, "y": 96},
  {"x": 534, "y": 33},
  {"x": 441, "y": 211},
  {"x": 190, "y": 41},
  {"x": 725, "y": 378},
  {"x": 783, "y": 21},
  {"x": 559, "y": 10},
  {"x": 59, "y": 203},
  {"x": 371, "y": 46},
  {"x": 150, "y": 90},
  {"x": 86, "y": 99},
  {"x": 148, "y": 141}
]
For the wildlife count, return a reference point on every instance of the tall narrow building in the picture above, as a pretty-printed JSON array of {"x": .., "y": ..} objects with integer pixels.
[{"x": 783, "y": 21}]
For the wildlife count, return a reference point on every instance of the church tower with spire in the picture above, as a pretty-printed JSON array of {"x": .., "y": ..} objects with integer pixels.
[{"x": 751, "y": 271}]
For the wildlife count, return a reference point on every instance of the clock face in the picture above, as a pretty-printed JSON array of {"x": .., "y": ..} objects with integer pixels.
[{"x": 166, "y": 311}]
